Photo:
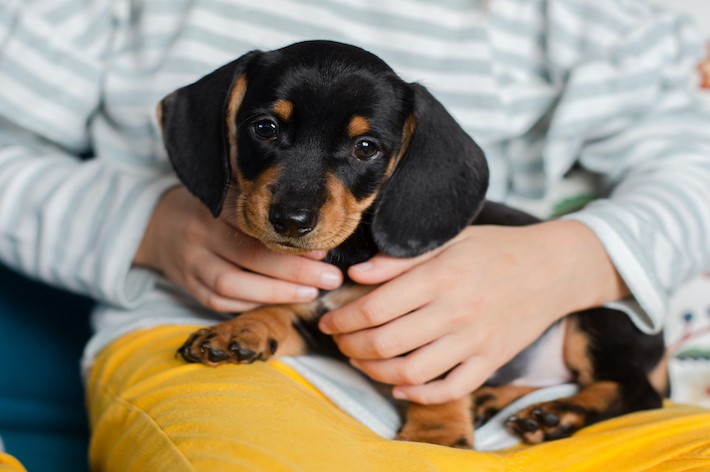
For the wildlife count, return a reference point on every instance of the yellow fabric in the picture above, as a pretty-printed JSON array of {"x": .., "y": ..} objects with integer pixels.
[
  {"x": 152, "y": 412},
  {"x": 10, "y": 464}
]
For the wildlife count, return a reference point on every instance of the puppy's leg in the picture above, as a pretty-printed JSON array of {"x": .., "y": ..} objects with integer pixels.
[
  {"x": 253, "y": 335},
  {"x": 614, "y": 363},
  {"x": 447, "y": 424},
  {"x": 258, "y": 334},
  {"x": 489, "y": 400},
  {"x": 561, "y": 418}
]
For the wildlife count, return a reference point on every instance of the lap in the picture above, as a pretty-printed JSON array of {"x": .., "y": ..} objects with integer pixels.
[
  {"x": 10, "y": 464},
  {"x": 151, "y": 411}
]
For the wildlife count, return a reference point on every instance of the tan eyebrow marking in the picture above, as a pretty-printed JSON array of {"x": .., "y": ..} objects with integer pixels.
[
  {"x": 358, "y": 126},
  {"x": 236, "y": 95},
  {"x": 283, "y": 109}
]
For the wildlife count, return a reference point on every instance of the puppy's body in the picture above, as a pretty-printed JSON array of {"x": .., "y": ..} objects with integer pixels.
[{"x": 321, "y": 146}]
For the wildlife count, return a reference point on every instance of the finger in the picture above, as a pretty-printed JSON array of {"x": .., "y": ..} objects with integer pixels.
[
  {"x": 418, "y": 367},
  {"x": 315, "y": 255},
  {"x": 228, "y": 281},
  {"x": 379, "y": 306},
  {"x": 248, "y": 253},
  {"x": 215, "y": 302},
  {"x": 382, "y": 268},
  {"x": 462, "y": 380},
  {"x": 395, "y": 338}
]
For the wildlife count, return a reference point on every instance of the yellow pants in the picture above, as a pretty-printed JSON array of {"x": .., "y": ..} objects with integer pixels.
[
  {"x": 10, "y": 464},
  {"x": 150, "y": 411}
]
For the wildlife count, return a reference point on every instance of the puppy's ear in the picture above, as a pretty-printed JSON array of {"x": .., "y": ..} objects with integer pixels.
[
  {"x": 437, "y": 187},
  {"x": 193, "y": 120}
]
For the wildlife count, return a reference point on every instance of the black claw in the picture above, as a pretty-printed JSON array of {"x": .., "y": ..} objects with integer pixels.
[
  {"x": 184, "y": 350},
  {"x": 483, "y": 417},
  {"x": 217, "y": 355},
  {"x": 273, "y": 346},
  {"x": 243, "y": 354},
  {"x": 462, "y": 443},
  {"x": 246, "y": 355},
  {"x": 548, "y": 419},
  {"x": 526, "y": 425},
  {"x": 186, "y": 354}
]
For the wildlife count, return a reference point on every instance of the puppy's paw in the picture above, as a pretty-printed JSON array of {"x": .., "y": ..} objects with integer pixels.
[
  {"x": 438, "y": 433},
  {"x": 239, "y": 341},
  {"x": 488, "y": 401},
  {"x": 547, "y": 421}
]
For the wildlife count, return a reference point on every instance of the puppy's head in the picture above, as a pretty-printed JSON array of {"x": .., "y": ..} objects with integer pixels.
[{"x": 295, "y": 145}]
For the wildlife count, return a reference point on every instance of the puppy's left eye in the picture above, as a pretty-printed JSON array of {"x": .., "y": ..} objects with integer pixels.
[
  {"x": 365, "y": 150},
  {"x": 266, "y": 130}
]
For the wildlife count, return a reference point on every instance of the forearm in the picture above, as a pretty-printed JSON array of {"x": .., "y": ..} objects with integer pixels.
[
  {"x": 581, "y": 274},
  {"x": 75, "y": 224}
]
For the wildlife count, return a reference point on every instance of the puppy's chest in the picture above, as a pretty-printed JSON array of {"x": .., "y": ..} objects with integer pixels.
[{"x": 358, "y": 248}]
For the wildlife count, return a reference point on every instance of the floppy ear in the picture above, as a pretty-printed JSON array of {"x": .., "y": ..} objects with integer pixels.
[
  {"x": 437, "y": 187},
  {"x": 195, "y": 130}
]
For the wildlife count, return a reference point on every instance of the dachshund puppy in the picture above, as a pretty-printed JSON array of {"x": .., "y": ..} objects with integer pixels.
[{"x": 321, "y": 146}]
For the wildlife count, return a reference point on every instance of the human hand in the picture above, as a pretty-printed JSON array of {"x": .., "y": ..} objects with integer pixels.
[
  {"x": 464, "y": 310},
  {"x": 224, "y": 269}
]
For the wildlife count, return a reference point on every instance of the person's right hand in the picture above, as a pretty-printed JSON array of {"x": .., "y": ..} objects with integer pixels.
[{"x": 224, "y": 269}]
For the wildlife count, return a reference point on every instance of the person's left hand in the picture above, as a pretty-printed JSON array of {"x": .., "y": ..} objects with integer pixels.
[{"x": 453, "y": 316}]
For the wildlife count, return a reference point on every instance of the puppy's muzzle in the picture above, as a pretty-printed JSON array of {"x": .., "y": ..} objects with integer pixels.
[{"x": 292, "y": 221}]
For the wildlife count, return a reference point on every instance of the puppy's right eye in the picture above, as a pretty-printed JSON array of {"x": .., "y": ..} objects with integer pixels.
[{"x": 266, "y": 130}]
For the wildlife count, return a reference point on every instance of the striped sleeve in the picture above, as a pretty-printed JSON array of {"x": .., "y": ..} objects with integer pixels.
[
  {"x": 70, "y": 222},
  {"x": 629, "y": 115}
]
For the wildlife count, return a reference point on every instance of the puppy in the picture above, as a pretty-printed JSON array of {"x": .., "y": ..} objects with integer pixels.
[{"x": 321, "y": 146}]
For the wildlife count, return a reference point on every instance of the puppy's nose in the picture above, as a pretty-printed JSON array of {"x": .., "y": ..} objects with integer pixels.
[{"x": 292, "y": 221}]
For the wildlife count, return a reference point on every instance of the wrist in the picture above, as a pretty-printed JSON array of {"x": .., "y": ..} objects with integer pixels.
[
  {"x": 587, "y": 275},
  {"x": 147, "y": 252}
]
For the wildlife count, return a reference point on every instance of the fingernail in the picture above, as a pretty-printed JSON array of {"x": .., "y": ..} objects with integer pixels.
[
  {"x": 306, "y": 293},
  {"x": 330, "y": 279},
  {"x": 362, "y": 267},
  {"x": 398, "y": 394}
]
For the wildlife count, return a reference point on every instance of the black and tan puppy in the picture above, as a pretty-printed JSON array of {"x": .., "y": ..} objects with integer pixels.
[{"x": 321, "y": 146}]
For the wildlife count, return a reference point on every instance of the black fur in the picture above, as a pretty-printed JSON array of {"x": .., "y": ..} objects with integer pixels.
[
  {"x": 436, "y": 189},
  {"x": 192, "y": 120},
  {"x": 328, "y": 83}
]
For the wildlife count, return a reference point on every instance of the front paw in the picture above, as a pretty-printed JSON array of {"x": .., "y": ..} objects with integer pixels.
[
  {"x": 547, "y": 421},
  {"x": 239, "y": 341}
]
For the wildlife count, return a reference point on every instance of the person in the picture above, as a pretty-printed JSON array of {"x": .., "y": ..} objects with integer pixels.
[{"x": 571, "y": 100}]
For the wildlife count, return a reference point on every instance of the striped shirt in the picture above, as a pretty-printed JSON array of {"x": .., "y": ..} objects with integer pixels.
[{"x": 572, "y": 100}]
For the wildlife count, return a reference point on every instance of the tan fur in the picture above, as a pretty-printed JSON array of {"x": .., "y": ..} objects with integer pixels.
[
  {"x": 407, "y": 132},
  {"x": 283, "y": 109},
  {"x": 236, "y": 95},
  {"x": 253, "y": 202},
  {"x": 339, "y": 216},
  {"x": 448, "y": 424},
  {"x": 598, "y": 397},
  {"x": 498, "y": 397},
  {"x": 256, "y": 329},
  {"x": 358, "y": 126},
  {"x": 576, "y": 352},
  {"x": 658, "y": 377}
]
